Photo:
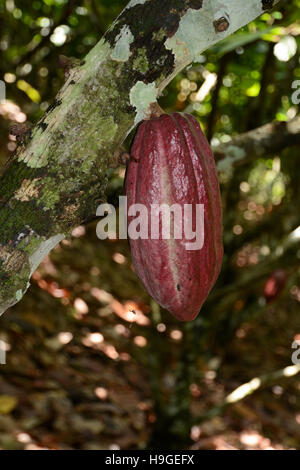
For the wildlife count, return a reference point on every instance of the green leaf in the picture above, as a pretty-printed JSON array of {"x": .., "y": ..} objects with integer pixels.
[
  {"x": 7, "y": 404},
  {"x": 238, "y": 40}
]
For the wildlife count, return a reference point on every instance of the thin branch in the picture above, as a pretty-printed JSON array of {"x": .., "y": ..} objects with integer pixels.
[
  {"x": 96, "y": 17},
  {"x": 248, "y": 389},
  {"x": 264, "y": 141},
  {"x": 215, "y": 97}
]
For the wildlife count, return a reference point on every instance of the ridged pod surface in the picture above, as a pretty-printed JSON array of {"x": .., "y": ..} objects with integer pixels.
[{"x": 171, "y": 163}]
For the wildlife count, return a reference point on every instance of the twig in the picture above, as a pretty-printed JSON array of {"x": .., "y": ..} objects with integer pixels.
[
  {"x": 249, "y": 388},
  {"x": 215, "y": 97},
  {"x": 266, "y": 140}
]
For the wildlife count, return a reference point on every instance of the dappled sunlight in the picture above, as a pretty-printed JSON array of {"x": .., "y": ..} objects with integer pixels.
[
  {"x": 119, "y": 258},
  {"x": 130, "y": 312},
  {"x": 101, "y": 393},
  {"x": 65, "y": 337},
  {"x": 101, "y": 295},
  {"x": 51, "y": 286},
  {"x": 81, "y": 307},
  {"x": 161, "y": 327},
  {"x": 78, "y": 232},
  {"x": 11, "y": 111},
  {"x": 243, "y": 390},
  {"x": 93, "y": 339},
  {"x": 176, "y": 335},
  {"x": 140, "y": 341}
]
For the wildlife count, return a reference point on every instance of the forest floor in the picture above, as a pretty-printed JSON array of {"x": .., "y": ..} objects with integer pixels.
[{"x": 77, "y": 372}]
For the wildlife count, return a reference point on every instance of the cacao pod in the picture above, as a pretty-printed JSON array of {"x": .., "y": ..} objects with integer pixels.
[
  {"x": 171, "y": 163},
  {"x": 274, "y": 285}
]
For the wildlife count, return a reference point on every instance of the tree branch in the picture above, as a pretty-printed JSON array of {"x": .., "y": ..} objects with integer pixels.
[
  {"x": 269, "y": 139},
  {"x": 248, "y": 388},
  {"x": 58, "y": 173}
]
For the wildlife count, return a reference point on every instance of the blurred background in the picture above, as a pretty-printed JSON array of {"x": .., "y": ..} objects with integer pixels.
[{"x": 92, "y": 362}]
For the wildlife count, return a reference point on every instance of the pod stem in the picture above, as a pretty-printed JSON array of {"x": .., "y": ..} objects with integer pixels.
[{"x": 155, "y": 111}]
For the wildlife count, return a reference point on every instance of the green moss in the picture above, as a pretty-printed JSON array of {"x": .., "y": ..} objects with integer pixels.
[
  {"x": 36, "y": 154},
  {"x": 13, "y": 287},
  {"x": 159, "y": 35},
  {"x": 14, "y": 274},
  {"x": 140, "y": 62},
  {"x": 29, "y": 244},
  {"x": 50, "y": 197}
]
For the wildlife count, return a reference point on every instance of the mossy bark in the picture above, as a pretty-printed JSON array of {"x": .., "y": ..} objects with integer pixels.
[{"x": 58, "y": 174}]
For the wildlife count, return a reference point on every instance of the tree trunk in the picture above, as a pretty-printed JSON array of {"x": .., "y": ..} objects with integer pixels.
[{"x": 58, "y": 174}]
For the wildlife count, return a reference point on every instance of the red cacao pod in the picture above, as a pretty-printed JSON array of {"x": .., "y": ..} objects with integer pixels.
[
  {"x": 274, "y": 285},
  {"x": 171, "y": 163}
]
